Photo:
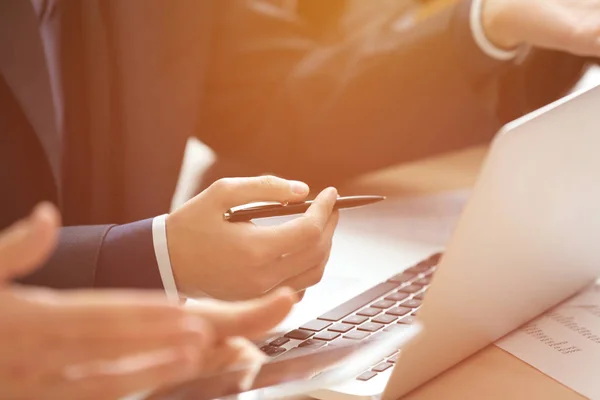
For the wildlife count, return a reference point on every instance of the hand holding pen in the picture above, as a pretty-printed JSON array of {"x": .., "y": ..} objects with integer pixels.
[{"x": 272, "y": 209}]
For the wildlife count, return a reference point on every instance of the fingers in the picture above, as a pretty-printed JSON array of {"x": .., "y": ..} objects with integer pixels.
[
  {"x": 70, "y": 344},
  {"x": 237, "y": 352},
  {"x": 231, "y": 192},
  {"x": 28, "y": 242},
  {"x": 59, "y": 353},
  {"x": 248, "y": 319},
  {"x": 116, "y": 379},
  {"x": 242, "y": 353},
  {"x": 322, "y": 207},
  {"x": 44, "y": 358},
  {"x": 301, "y": 232},
  {"x": 101, "y": 314},
  {"x": 307, "y": 279},
  {"x": 236, "y": 362},
  {"x": 301, "y": 295},
  {"x": 317, "y": 258}
]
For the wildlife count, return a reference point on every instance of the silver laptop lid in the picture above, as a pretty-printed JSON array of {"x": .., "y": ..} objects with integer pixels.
[{"x": 528, "y": 238}]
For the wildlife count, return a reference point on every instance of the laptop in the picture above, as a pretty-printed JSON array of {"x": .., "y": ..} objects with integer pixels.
[{"x": 526, "y": 240}]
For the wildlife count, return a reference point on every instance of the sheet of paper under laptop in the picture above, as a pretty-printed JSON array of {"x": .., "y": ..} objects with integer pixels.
[{"x": 564, "y": 343}]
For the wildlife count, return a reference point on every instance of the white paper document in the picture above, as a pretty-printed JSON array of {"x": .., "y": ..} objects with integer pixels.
[{"x": 564, "y": 343}]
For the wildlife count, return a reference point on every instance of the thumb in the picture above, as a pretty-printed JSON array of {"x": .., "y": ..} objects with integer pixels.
[
  {"x": 231, "y": 192},
  {"x": 25, "y": 244},
  {"x": 250, "y": 319}
]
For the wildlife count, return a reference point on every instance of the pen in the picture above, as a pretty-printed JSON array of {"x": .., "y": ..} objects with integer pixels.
[{"x": 266, "y": 210}]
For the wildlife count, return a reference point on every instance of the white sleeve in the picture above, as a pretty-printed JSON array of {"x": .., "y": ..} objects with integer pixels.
[{"x": 161, "y": 251}]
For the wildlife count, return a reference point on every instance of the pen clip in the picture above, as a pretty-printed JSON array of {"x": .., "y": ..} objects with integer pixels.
[{"x": 265, "y": 205}]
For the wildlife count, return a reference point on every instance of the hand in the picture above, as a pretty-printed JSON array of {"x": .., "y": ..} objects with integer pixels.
[
  {"x": 566, "y": 25},
  {"x": 26, "y": 244},
  {"x": 85, "y": 345},
  {"x": 126, "y": 365},
  {"x": 234, "y": 324},
  {"x": 108, "y": 344},
  {"x": 240, "y": 260}
]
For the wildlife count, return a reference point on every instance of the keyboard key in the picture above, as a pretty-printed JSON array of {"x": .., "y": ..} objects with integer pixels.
[
  {"x": 369, "y": 312},
  {"x": 416, "y": 312},
  {"x": 326, "y": 335},
  {"x": 359, "y": 301},
  {"x": 394, "y": 359},
  {"x": 299, "y": 334},
  {"x": 384, "y": 319},
  {"x": 411, "y": 288},
  {"x": 407, "y": 320},
  {"x": 398, "y": 296},
  {"x": 395, "y": 328},
  {"x": 383, "y": 304},
  {"x": 343, "y": 342},
  {"x": 423, "y": 281},
  {"x": 343, "y": 328},
  {"x": 365, "y": 376},
  {"x": 412, "y": 303},
  {"x": 435, "y": 259},
  {"x": 382, "y": 366},
  {"x": 399, "y": 311},
  {"x": 313, "y": 343},
  {"x": 370, "y": 327},
  {"x": 355, "y": 320},
  {"x": 402, "y": 277},
  {"x": 419, "y": 268},
  {"x": 356, "y": 335},
  {"x": 272, "y": 351},
  {"x": 419, "y": 296},
  {"x": 316, "y": 325},
  {"x": 279, "y": 342}
]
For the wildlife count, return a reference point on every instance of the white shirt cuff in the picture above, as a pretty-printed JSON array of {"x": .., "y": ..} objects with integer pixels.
[
  {"x": 481, "y": 39},
  {"x": 161, "y": 251}
]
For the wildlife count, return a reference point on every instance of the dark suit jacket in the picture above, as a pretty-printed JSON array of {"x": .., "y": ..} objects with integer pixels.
[
  {"x": 139, "y": 77},
  {"x": 369, "y": 93},
  {"x": 36, "y": 156},
  {"x": 275, "y": 90}
]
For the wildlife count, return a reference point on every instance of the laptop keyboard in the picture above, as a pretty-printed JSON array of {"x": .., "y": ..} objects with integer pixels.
[{"x": 377, "y": 311}]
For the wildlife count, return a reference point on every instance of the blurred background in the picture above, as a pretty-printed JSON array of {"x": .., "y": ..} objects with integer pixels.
[
  {"x": 160, "y": 99},
  {"x": 198, "y": 157}
]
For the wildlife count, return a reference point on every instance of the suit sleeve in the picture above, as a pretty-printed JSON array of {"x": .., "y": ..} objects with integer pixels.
[
  {"x": 104, "y": 256},
  {"x": 381, "y": 88},
  {"x": 519, "y": 87}
]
